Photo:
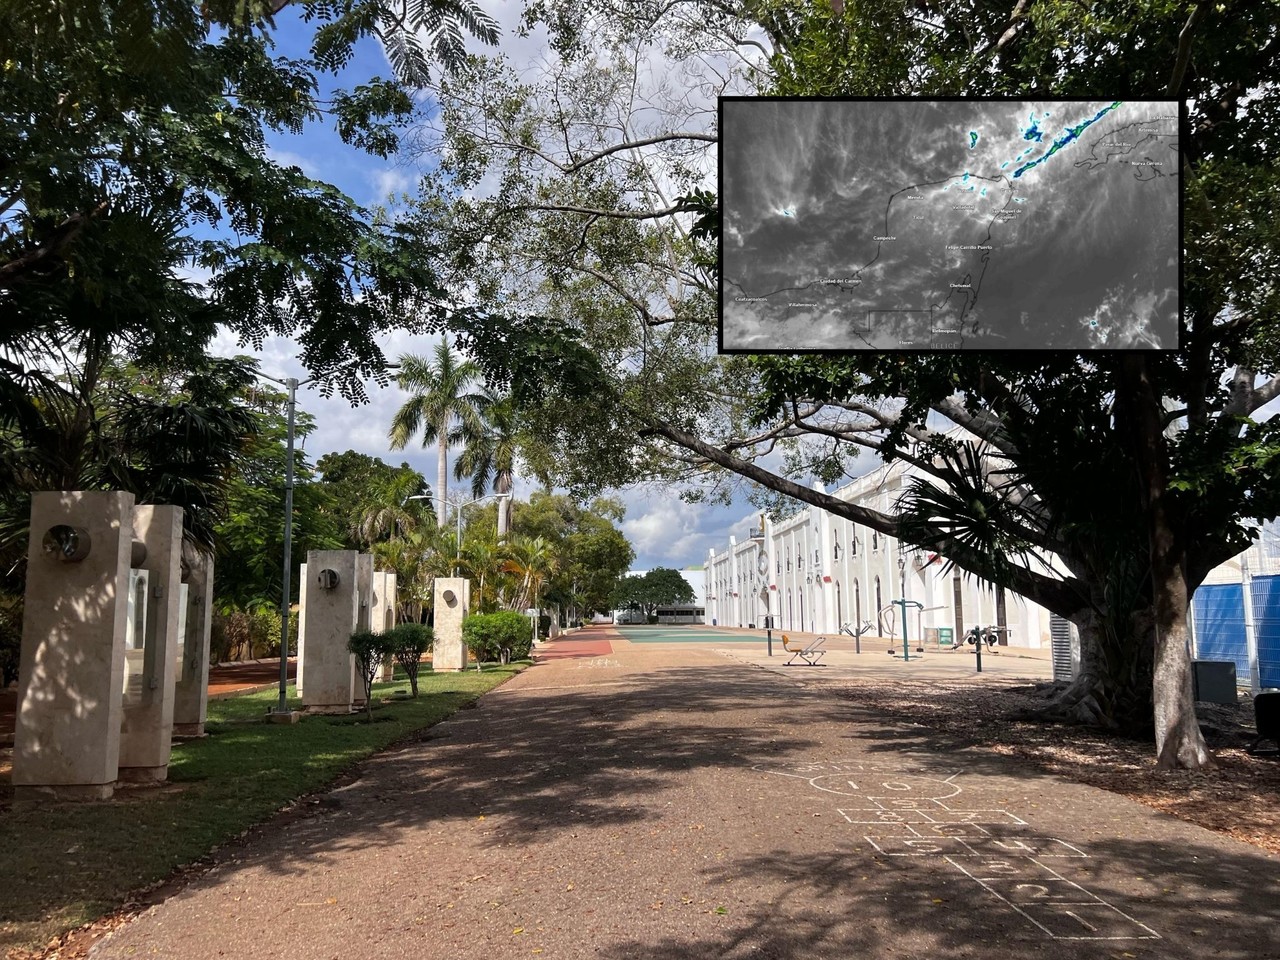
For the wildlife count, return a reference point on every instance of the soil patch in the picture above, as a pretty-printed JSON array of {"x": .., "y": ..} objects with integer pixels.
[{"x": 1236, "y": 797}]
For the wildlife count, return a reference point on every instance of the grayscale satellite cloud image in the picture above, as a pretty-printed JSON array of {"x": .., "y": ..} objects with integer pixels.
[{"x": 949, "y": 225}]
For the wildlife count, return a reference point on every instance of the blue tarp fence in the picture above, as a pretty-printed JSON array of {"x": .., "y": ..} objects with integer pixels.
[{"x": 1219, "y": 626}]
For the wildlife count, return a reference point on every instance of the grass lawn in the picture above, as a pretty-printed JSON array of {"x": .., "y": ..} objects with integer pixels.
[{"x": 63, "y": 864}]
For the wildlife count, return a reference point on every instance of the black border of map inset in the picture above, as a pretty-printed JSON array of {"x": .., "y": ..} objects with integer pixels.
[{"x": 745, "y": 135}]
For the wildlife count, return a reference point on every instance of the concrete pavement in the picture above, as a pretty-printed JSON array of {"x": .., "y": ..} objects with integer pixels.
[{"x": 659, "y": 801}]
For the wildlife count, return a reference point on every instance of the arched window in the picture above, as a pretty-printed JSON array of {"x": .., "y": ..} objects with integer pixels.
[
  {"x": 875, "y": 540},
  {"x": 879, "y": 602},
  {"x": 788, "y": 559},
  {"x": 839, "y": 607},
  {"x": 853, "y": 547},
  {"x": 835, "y": 545}
]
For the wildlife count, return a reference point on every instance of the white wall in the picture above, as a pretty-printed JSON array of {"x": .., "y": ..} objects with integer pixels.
[{"x": 820, "y": 570}]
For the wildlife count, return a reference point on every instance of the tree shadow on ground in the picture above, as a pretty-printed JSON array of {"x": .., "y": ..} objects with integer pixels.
[
  {"x": 1191, "y": 901},
  {"x": 541, "y": 783}
]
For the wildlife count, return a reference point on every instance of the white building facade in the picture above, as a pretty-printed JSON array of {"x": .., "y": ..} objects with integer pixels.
[{"x": 814, "y": 573}]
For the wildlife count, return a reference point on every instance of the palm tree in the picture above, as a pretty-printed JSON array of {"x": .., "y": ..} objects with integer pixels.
[
  {"x": 481, "y": 561},
  {"x": 533, "y": 560},
  {"x": 387, "y": 512},
  {"x": 404, "y": 555},
  {"x": 442, "y": 407},
  {"x": 490, "y": 454}
]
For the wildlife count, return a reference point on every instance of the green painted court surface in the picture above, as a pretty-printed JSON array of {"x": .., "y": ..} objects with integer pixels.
[{"x": 672, "y": 633}]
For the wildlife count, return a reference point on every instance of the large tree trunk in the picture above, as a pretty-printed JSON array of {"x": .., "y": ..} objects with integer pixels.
[
  {"x": 1179, "y": 742},
  {"x": 1113, "y": 686}
]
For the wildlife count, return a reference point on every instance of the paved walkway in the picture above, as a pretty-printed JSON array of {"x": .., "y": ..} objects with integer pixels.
[{"x": 672, "y": 801}]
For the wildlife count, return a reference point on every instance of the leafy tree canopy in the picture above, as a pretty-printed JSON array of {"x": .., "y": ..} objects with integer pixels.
[
  {"x": 592, "y": 551},
  {"x": 133, "y": 139},
  {"x": 658, "y": 587},
  {"x": 1139, "y": 473},
  {"x": 371, "y": 500}
]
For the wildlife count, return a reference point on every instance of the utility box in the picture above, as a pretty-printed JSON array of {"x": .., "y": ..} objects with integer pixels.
[
  {"x": 1214, "y": 681},
  {"x": 1064, "y": 645}
]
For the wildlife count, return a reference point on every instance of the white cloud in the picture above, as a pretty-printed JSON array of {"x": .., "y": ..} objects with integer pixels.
[
  {"x": 338, "y": 425},
  {"x": 388, "y": 183},
  {"x": 668, "y": 532},
  {"x": 288, "y": 158}
]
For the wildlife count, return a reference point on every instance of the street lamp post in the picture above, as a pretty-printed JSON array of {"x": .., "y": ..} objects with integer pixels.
[
  {"x": 457, "y": 505},
  {"x": 292, "y": 383}
]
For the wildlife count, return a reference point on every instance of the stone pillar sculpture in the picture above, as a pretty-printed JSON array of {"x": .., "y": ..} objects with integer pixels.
[
  {"x": 302, "y": 627},
  {"x": 386, "y": 671},
  {"x": 453, "y": 604},
  {"x": 147, "y": 729},
  {"x": 331, "y": 617},
  {"x": 67, "y": 736},
  {"x": 191, "y": 691},
  {"x": 390, "y": 602},
  {"x": 364, "y": 617}
]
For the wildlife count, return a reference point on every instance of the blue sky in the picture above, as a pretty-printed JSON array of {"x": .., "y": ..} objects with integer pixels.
[{"x": 663, "y": 530}]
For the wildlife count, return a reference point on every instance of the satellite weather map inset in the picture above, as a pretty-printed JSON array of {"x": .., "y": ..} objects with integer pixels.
[{"x": 949, "y": 225}]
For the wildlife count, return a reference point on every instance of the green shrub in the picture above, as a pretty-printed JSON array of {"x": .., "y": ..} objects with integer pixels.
[
  {"x": 408, "y": 642},
  {"x": 229, "y": 636},
  {"x": 249, "y": 635},
  {"x": 502, "y": 636},
  {"x": 369, "y": 649},
  {"x": 264, "y": 632}
]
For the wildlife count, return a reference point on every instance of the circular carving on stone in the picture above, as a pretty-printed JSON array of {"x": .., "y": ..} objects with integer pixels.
[
  {"x": 449, "y": 597},
  {"x": 328, "y": 579},
  {"x": 137, "y": 554},
  {"x": 66, "y": 543}
]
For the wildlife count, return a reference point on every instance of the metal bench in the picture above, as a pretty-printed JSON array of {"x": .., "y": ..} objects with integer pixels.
[{"x": 810, "y": 654}]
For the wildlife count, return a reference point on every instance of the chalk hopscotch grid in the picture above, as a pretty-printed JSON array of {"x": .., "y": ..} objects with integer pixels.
[
  {"x": 945, "y": 823},
  {"x": 1093, "y": 902},
  {"x": 976, "y": 838}
]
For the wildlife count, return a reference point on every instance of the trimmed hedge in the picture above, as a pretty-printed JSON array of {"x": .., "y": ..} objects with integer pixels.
[{"x": 502, "y": 636}]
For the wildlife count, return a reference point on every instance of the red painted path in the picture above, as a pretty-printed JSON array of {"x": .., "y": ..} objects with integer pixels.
[{"x": 593, "y": 641}]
